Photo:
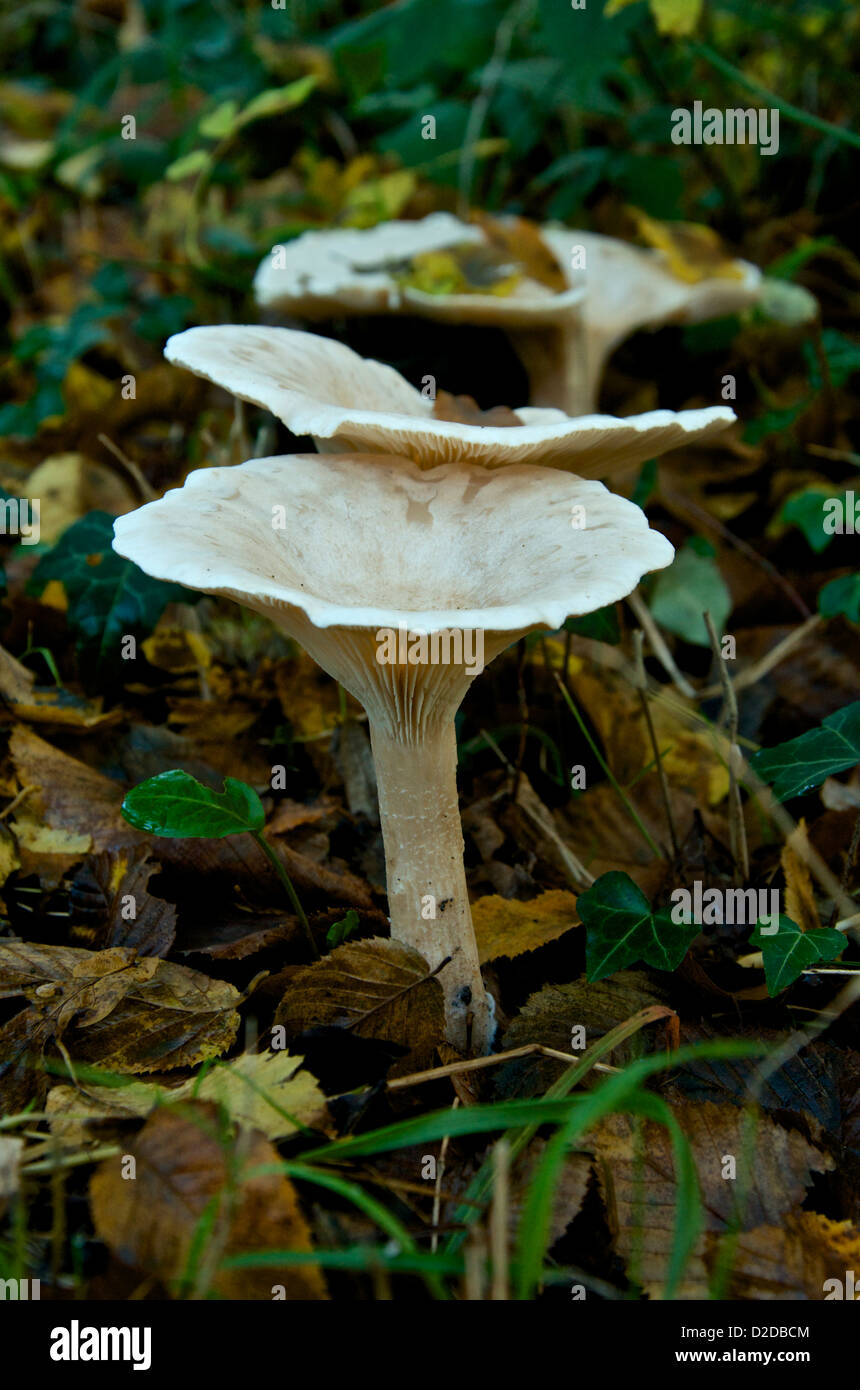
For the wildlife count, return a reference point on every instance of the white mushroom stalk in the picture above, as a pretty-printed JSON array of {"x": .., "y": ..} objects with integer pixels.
[
  {"x": 564, "y": 336},
  {"x": 402, "y": 583},
  {"x": 320, "y": 387}
]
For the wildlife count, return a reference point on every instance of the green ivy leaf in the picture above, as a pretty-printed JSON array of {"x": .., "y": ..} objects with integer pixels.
[
  {"x": 841, "y": 597},
  {"x": 789, "y": 951},
  {"x": 806, "y": 510},
  {"x": 621, "y": 928},
  {"x": 690, "y": 586},
  {"x": 176, "y": 805},
  {"x": 109, "y": 597},
  {"x": 796, "y": 766}
]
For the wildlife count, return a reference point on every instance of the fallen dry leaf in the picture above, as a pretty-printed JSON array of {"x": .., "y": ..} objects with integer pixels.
[
  {"x": 507, "y": 927},
  {"x": 800, "y": 903},
  {"x": 128, "y": 1014},
  {"x": 361, "y": 986},
  {"x": 110, "y": 894},
  {"x": 188, "y": 1166},
  {"x": 795, "y": 1260},
  {"x": 637, "y": 1177},
  {"x": 550, "y": 1015},
  {"x": 268, "y": 1091}
]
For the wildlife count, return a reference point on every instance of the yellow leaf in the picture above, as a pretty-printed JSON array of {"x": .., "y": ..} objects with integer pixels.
[
  {"x": 693, "y": 252},
  {"x": 507, "y": 927},
  {"x": 177, "y": 650},
  {"x": 676, "y": 17},
  {"x": 799, "y": 897}
]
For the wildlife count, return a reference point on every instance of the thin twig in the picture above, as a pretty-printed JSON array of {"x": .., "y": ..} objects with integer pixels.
[
  {"x": 419, "y": 1078},
  {"x": 760, "y": 668},
  {"x": 628, "y": 805},
  {"x": 737, "y": 829},
  {"x": 437, "y": 1193},
  {"x": 499, "y": 1290},
  {"x": 16, "y": 800},
  {"x": 661, "y": 771},
  {"x": 658, "y": 645},
  {"x": 129, "y": 469}
]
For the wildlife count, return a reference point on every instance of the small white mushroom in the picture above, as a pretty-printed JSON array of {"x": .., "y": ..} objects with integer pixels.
[
  {"x": 362, "y": 560},
  {"x": 320, "y": 387}
]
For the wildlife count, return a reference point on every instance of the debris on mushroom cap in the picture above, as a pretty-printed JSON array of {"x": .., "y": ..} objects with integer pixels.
[
  {"x": 322, "y": 388},
  {"x": 361, "y": 540},
  {"x": 390, "y": 268}
]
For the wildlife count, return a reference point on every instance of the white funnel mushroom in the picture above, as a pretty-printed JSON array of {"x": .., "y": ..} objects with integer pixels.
[
  {"x": 320, "y": 387},
  {"x": 564, "y": 320},
  {"x": 356, "y": 557},
  {"x": 626, "y": 289},
  {"x": 381, "y": 270}
]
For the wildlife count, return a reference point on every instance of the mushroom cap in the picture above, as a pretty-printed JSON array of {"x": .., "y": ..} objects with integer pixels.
[
  {"x": 369, "y": 542},
  {"x": 354, "y": 271},
  {"x": 320, "y": 387},
  {"x": 628, "y": 287}
]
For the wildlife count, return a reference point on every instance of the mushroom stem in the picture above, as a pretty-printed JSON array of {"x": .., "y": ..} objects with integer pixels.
[
  {"x": 563, "y": 367},
  {"x": 428, "y": 900}
]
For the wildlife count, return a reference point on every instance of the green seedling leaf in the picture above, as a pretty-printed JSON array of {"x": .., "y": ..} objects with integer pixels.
[
  {"x": 691, "y": 586},
  {"x": 339, "y": 931},
  {"x": 796, "y": 766},
  {"x": 109, "y": 597},
  {"x": 176, "y": 805},
  {"x": 788, "y": 951},
  {"x": 841, "y": 597},
  {"x": 219, "y": 122},
  {"x": 277, "y": 100},
  {"x": 621, "y": 928},
  {"x": 194, "y": 163}
]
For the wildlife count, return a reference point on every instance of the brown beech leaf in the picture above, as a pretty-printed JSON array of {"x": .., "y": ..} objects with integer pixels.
[
  {"x": 190, "y": 1166},
  {"x": 805, "y": 1256},
  {"x": 507, "y": 927},
  {"x": 22, "y": 1048},
  {"x": 361, "y": 986},
  {"x": 124, "y": 1012},
  {"x": 110, "y": 894},
  {"x": 268, "y": 1091},
  {"x": 568, "y": 1195},
  {"x": 520, "y": 240},
  {"x": 549, "y": 1016},
  {"x": 464, "y": 410},
  {"x": 637, "y": 1177},
  {"x": 73, "y": 809}
]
